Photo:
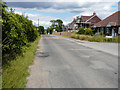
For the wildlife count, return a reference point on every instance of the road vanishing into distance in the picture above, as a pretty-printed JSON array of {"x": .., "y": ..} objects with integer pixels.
[{"x": 63, "y": 63}]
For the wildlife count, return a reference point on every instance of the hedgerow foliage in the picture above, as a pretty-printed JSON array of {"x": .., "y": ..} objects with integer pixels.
[
  {"x": 88, "y": 31},
  {"x": 81, "y": 30},
  {"x": 17, "y": 31}
]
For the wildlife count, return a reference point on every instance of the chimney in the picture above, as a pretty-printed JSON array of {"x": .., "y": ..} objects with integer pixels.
[
  {"x": 74, "y": 19},
  {"x": 94, "y": 13}
]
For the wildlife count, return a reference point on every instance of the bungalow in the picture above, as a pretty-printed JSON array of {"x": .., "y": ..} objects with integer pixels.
[
  {"x": 110, "y": 25},
  {"x": 87, "y": 21}
]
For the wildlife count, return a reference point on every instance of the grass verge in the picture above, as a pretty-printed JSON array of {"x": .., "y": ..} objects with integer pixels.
[
  {"x": 14, "y": 74},
  {"x": 94, "y": 38}
]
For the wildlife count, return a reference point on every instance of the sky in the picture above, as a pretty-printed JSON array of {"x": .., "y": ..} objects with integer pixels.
[{"x": 46, "y": 10}]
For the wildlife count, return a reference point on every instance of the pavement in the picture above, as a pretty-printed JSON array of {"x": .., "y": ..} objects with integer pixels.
[{"x": 68, "y": 63}]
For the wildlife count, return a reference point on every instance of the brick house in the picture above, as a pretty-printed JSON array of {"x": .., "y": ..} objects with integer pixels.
[
  {"x": 110, "y": 25},
  {"x": 87, "y": 21}
]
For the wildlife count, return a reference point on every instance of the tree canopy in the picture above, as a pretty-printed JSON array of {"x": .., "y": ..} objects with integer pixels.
[
  {"x": 41, "y": 30},
  {"x": 57, "y": 24}
]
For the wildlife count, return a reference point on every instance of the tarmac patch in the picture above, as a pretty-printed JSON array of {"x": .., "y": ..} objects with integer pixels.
[{"x": 42, "y": 54}]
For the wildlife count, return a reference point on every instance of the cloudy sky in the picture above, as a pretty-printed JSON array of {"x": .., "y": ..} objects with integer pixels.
[{"x": 66, "y": 11}]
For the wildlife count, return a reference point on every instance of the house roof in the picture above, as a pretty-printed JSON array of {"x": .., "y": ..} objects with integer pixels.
[
  {"x": 93, "y": 19},
  {"x": 112, "y": 20},
  {"x": 84, "y": 18}
]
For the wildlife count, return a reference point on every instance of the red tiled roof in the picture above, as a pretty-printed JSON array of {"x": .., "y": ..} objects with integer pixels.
[
  {"x": 95, "y": 19},
  {"x": 92, "y": 19},
  {"x": 84, "y": 18},
  {"x": 112, "y": 23},
  {"x": 113, "y": 20}
]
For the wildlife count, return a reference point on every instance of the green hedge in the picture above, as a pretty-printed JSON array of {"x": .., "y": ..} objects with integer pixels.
[
  {"x": 17, "y": 31},
  {"x": 81, "y": 30},
  {"x": 86, "y": 31}
]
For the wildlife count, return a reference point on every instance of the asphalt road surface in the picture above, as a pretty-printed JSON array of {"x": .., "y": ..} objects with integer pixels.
[{"x": 62, "y": 63}]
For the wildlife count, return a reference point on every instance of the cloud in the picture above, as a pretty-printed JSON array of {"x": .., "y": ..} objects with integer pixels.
[
  {"x": 103, "y": 9},
  {"x": 46, "y": 5},
  {"x": 43, "y": 20},
  {"x": 73, "y": 7},
  {"x": 61, "y": 0},
  {"x": 38, "y": 5},
  {"x": 119, "y": 5}
]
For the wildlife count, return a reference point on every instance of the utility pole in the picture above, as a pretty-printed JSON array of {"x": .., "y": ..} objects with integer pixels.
[
  {"x": 38, "y": 25},
  {"x": 38, "y": 22},
  {"x": 23, "y": 14}
]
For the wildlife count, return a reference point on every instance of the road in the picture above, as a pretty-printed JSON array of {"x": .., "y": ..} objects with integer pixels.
[{"x": 63, "y": 63}]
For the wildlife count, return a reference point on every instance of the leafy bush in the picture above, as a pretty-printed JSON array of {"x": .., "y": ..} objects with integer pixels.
[
  {"x": 88, "y": 31},
  {"x": 17, "y": 31},
  {"x": 81, "y": 30},
  {"x": 101, "y": 33}
]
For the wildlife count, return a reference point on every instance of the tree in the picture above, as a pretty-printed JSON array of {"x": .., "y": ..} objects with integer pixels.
[
  {"x": 53, "y": 23},
  {"x": 12, "y": 10},
  {"x": 4, "y": 5},
  {"x": 57, "y": 24},
  {"x": 41, "y": 30},
  {"x": 49, "y": 30},
  {"x": 60, "y": 24}
]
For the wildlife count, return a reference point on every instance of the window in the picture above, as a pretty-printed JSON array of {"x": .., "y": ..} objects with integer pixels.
[
  {"x": 102, "y": 30},
  {"x": 119, "y": 30},
  {"x": 107, "y": 30},
  {"x": 97, "y": 30}
]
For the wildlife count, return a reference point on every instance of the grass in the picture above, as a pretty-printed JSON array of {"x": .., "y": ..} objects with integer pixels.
[
  {"x": 14, "y": 75},
  {"x": 94, "y": 38},
  {"x": 0, "y": 82}
]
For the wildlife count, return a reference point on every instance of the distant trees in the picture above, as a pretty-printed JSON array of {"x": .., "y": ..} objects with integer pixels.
[
  {"x": 12, "y": 10},
  {"x": 53, "y": 23},
  {"x": 41, "y": 30},
  {"x": 57, "y": 24},
  {"x": 49, "y": 30}
]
